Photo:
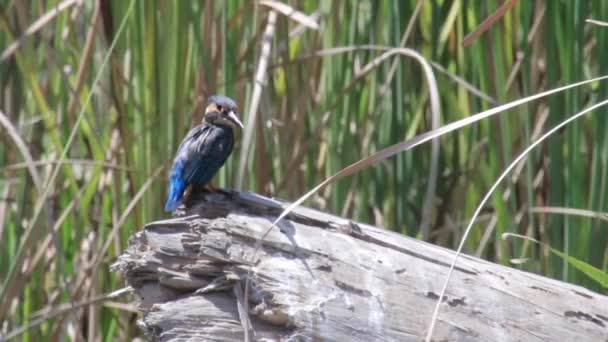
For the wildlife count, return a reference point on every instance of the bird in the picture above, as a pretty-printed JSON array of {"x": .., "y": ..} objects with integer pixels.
[{"x": 204, "y": 149}]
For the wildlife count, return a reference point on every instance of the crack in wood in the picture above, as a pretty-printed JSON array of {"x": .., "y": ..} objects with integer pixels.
[
  {"x": 585, "y": 317},
  {"x": 327, "y": 278}
]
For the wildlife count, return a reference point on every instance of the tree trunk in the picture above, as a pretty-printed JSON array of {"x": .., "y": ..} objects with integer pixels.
[{"x": 325, "y": 278}]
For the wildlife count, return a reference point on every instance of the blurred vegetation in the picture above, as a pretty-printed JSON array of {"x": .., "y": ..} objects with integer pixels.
[{"x": 317, "y": 114}]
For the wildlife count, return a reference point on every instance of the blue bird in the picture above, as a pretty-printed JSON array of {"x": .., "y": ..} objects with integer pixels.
[{"x": 204, "y": 149}]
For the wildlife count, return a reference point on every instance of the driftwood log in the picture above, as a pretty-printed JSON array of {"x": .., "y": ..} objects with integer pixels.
[{"x": 325, "y": 278}]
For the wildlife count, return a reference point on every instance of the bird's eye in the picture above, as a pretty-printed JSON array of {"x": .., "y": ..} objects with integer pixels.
[{"x": 219, "y": 108}]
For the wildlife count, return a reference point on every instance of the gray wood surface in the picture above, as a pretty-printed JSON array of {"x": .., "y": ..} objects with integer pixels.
[{"x": 325, "y": 278}]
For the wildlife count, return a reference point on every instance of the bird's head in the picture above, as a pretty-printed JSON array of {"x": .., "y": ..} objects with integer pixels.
[{"x": 222, "y": 110}]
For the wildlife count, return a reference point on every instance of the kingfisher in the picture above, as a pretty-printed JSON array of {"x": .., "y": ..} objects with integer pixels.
[{"x": 204, "y": 149}]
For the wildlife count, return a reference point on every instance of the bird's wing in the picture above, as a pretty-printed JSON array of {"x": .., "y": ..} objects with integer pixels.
[
  {"x": 187, "y": 151},
  {"x": 203, "y": 151}
]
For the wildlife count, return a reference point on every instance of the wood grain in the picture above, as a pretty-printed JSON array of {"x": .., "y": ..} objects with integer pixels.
[{"x": 325, "y": 278}]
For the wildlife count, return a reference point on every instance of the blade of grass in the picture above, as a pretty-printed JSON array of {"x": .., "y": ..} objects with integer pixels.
[
  {"x": 346, "y": 49},
  {"x": 125, "y": 215},
  {"x": 35, "y": 27},
  {"x": 85, "y": 61},
  {"x": 260, "y": 78},
  {"x": 594, "y": 273},
  {"x": 116, "y": 227},
  {"x": 488, "y": 22},
  {"x": 22, "y": 147},
  {"x": 597, "y": 22},
  {"x": 422, "y": 138},
  {"x": 30, "y": 230},
  {"x": 570, "y": 211},
  {"x": 291, "y": 13},
  {"x": 435, "y": 116},
  {"x": 84, "y": 162},
  {"x": 63, "y": 309},
  {"x": 404, "y": 146},
  {"x": 463, "y": 83},
  {"x": 511, "y": 166}
]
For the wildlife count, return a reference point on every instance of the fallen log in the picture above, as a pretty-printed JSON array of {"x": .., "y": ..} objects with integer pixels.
[{"x": 326, "y": 278}]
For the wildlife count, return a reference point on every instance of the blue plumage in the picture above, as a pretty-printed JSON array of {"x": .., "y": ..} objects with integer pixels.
[
  {"x": 204, "y": 150},
  {"x": 177, "y": 186}
]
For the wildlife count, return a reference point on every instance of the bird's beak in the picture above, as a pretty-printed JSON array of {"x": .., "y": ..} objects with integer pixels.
[{"x": 232, "y": 116}]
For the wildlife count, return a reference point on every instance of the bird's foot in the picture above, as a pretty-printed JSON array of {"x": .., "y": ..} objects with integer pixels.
[
  {"x": 209, "y": 188},
  {"x": 188, "y": 196}
]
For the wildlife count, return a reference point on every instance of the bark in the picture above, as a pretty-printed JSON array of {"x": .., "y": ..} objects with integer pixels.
[{"x": 325, "y": 278}]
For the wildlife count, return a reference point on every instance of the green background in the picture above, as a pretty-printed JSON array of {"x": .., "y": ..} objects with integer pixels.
[{"x": 317, "y": 115}]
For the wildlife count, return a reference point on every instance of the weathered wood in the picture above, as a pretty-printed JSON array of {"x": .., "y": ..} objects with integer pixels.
[{"x": 326, "y": 278}]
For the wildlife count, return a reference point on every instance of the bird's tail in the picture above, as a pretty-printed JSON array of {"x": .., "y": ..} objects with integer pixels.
[{"x": 176, "y": 192}]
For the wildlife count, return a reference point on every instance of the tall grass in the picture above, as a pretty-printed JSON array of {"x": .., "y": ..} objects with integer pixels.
[{"x": 316, "y": 116}]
